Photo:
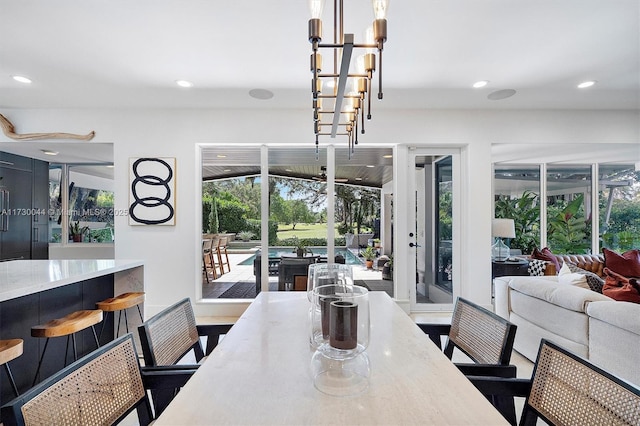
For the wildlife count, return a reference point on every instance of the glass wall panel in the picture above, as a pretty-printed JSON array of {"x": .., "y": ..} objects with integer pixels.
[
  {"x": 619, "y": 207},
  {"x": 231, "y": 220},
  {"x": 569, "y": 215},
  {"x": 517, "y": 197},
  {"x": 89, "y": 208}
]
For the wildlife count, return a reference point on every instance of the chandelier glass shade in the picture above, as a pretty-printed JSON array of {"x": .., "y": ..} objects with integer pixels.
[{"x": 341, "y": 94}]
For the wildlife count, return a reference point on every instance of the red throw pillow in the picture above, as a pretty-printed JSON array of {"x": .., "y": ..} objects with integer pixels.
[
  {"x": 626, "y": 264},
  {"x": 545, "y": 254},
  {"x": 621, "y": 288}
]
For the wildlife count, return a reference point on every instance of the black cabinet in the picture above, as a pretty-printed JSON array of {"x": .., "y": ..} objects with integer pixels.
[
  {"x": 507, "y": 268},
  {"x": 24, "y": 192},
  {"x": 40, "y": 217}
]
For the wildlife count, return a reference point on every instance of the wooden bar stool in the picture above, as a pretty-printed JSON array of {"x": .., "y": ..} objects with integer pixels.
[
  {"x": 68, "y": 326},
  {"x": 121, "y": 303},
  {"x": 223, "y": 256},
  {"x": 9, "y": 350}
]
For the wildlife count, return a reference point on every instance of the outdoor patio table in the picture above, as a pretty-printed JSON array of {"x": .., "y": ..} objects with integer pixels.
[{"x": 260, "y": 374}]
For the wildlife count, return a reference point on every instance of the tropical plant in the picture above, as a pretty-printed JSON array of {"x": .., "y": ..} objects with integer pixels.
[
  {"x": 567, "y": 229},
  {"x": 368, "y": 253},
  {"x": 77, "y": 231},
  {"x": 299, "y": 246},
  {"x": 525, "y": 212}
]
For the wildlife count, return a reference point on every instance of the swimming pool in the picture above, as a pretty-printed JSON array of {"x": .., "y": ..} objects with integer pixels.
[{"x": 350, "y": 258}]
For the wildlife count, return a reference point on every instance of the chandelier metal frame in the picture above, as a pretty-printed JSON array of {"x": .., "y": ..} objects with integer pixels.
[{"x": 348, "y": 105}]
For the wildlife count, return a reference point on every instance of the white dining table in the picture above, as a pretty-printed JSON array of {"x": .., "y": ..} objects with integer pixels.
[{"x": 260, "y": 374}]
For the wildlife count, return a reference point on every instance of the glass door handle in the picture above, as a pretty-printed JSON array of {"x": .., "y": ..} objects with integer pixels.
[{"x": 414, "y": 245}]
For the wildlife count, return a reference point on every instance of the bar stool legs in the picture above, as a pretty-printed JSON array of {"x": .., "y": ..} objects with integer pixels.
[
  {"x": 10, "y": 349},
  {"x": 121, "y": 303},
  {"x": 66, "y": 326}
]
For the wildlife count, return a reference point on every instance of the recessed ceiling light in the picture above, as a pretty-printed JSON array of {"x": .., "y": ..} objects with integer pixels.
[
  {"x": 262, "y": 94},
  {"x": 288, "y": 170},
  {"x": 21, "y": 79},
  {"x": 387, "y": 156},
  {"x": 184, "y": 83},
  {"x": 226, "y": 170},
  {"x": 586, "y": 84},
  {"x": 109, "y": 166},
  {"x": 481, "y": 83},
  {"x": 371, "y": 166},
  {"x": 221, "y": 156},
  {"x": 358, "y": 178},
  {"x": 48, "y": 152},
  {"x": 501, "y": 94}
]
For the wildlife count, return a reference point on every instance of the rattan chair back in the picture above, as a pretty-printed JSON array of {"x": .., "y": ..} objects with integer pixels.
[
  {"x": 568, "y": 390},
  {"x": 482, "y": 335},
  {"x": 100, "y": 389},
  {"x": 169, "y": 335}
]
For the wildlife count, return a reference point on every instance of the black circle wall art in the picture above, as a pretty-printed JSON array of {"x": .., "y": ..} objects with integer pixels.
[{"x": 152, "y": 195}]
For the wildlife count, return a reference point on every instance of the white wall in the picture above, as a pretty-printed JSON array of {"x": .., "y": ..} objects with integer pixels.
[{"x": 171, "y": 253}]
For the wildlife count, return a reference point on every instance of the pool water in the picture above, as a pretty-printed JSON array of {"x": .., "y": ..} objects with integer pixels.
[{"x": 350, "y": 258}]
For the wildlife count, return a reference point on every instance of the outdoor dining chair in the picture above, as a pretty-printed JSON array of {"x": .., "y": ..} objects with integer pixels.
[{"x": 566, "y": 389}]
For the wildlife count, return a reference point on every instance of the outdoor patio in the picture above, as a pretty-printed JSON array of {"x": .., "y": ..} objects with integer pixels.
[{"x": 240, "y": 281}]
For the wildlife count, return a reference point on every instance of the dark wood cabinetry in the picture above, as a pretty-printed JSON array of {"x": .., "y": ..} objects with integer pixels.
[{"x": 23, "y": 210}]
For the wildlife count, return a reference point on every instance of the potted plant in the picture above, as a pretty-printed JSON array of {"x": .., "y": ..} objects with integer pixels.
[
  {"x": 77, "y": 231},
  {"x": 300, "y": 248},
  {"x": 369, "y": 254},
  {"x": 245, "y": 235},
  {"x": 387, "y": 269}
]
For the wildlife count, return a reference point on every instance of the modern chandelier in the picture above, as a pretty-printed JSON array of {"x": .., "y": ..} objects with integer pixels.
[{"x": 340, "y": 108}]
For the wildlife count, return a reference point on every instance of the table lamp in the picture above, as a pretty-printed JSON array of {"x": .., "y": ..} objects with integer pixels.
[{"x": 501, "y": 228}]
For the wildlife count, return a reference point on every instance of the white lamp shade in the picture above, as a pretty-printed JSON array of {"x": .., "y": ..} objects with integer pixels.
[{"x": 503, "y": 228}]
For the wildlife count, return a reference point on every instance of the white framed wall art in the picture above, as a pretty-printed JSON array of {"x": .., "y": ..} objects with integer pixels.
[{"x": 152, "y": 191}]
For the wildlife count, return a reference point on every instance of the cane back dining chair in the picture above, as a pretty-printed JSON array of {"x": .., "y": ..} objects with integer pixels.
[
  {"x": 484, "y": 337},
  {"x": 566, "y": 389},
  {"x": 169, "y": 335},
  {"x": 101, "y": 388}
]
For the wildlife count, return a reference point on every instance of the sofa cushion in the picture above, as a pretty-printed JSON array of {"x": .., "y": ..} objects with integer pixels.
[
  {"x": 621, "y": 288},
  {"x": 620, "y": 314},
  {"x": 545, "y": 254},
  {"x": 547, "y": 288},
  {"x": 626, "y": 264},
  {"x": 594, "y": 281},
  {"x": 566, "y": 277}
]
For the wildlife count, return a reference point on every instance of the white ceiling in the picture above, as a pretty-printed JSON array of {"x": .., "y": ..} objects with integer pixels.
[{"x": 129, "y": 53}]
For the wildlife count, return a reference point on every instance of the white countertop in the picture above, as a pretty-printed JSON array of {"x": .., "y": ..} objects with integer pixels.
[
  {"x": 260, "y": 374},
  {"x": 23, "y": 277}
]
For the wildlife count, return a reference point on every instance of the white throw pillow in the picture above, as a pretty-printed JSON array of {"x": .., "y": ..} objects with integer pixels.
[{"x": 566, "y": 277}]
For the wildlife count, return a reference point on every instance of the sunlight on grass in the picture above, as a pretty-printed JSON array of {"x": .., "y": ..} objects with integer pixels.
[{"x": 304, "y": 230}]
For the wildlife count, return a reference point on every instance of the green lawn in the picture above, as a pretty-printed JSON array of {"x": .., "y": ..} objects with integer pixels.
[
  {"x": 307, "y": 230},
  {"x": 303, "y": 230}
]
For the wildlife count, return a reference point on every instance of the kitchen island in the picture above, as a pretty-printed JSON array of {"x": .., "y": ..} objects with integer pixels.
[{"x": 33, "y": 292}]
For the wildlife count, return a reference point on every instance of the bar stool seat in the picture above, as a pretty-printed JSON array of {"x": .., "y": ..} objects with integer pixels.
[
  {"x": 9, "y": 350},
  {"x": 67, "y": 326},
  {"x": 121, "y": 303}
]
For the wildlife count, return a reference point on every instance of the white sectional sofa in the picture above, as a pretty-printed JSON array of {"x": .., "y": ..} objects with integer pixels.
[{"x": 605, "y": 331}]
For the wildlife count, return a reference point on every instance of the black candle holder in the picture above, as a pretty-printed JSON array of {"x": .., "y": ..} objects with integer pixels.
[{"x": 343, "y": 325}]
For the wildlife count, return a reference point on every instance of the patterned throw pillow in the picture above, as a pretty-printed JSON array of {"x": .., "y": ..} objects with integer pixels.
[
  {"x": 594, "y": 281},
  {"x": 545, "y": 254},
  {"x": 537, "y": 267}
]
